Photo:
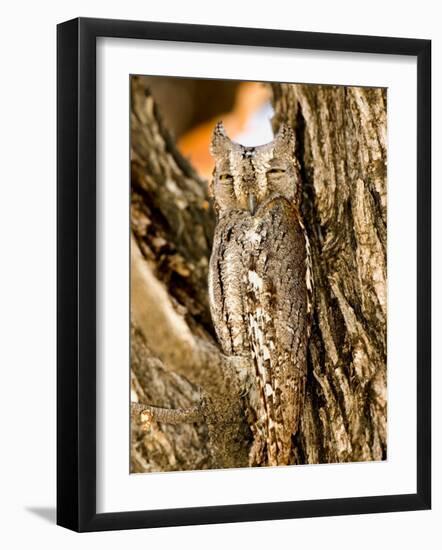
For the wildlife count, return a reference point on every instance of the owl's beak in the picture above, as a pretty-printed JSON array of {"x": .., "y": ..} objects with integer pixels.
[{"x": 252, "y": 203}]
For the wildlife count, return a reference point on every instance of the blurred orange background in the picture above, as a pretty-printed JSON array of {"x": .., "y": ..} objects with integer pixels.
[{"x": 190, "y": 109}]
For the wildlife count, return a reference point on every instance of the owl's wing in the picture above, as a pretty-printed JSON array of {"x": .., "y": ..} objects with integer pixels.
[
  {"x": 276, "y": 304},
  {"x": 226, "y": 284}
]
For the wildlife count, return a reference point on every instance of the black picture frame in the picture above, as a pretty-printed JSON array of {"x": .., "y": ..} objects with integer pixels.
[{"x": 77, "y": 286}]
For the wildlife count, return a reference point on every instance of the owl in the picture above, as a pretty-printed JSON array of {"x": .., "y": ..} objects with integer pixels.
[{"x": 259, "y": 284}]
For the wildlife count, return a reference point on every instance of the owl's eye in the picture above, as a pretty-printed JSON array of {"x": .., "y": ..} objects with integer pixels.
[
  {"x": 275, "y": 171},
  {"x": 227, "y": 178}
]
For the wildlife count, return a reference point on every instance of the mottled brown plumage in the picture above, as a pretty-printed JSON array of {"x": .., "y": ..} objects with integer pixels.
[{"x": 259, "y": 284}]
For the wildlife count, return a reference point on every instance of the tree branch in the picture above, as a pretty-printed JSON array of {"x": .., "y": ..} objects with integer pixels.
[{"x": 147, "y": 413}]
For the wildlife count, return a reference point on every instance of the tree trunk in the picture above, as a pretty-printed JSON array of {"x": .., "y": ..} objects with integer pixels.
[
  {"x": 341, "y": 147},
  {"x": 176, "y": 361}
]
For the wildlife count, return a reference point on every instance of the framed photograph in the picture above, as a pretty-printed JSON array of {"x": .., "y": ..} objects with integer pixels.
[{"x": 243, "y": 274}]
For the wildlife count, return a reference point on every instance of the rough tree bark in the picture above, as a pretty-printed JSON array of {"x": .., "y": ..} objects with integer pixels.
[{"x": 176, "y": 362}]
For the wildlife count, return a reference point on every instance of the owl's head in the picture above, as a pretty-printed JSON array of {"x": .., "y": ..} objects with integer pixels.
[{"x": 244, "y": 178}]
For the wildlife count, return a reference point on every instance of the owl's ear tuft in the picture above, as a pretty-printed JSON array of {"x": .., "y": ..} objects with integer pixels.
[
  {"x": 219, "y": 140},
  {"x": 285, "y": 138}
]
